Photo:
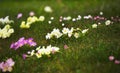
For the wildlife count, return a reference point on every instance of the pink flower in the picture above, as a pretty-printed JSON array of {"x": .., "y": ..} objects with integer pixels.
[
  {"x": 117, "y": 62},
  {"x": 19, "y": 15},
  {"x": 31, "y": 13},
  {"x": 53, "y": 50},
  {"x": 10, "y": 62},
  {"x": 65, "y": 47},
  {"x": 24, "y": 56},
  {"x": 1, "y": 65},
  {"x": 111, "y": 58},
  {"x": 7, "y": 66}
]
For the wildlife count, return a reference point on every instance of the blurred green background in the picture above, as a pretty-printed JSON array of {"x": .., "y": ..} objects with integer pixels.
[{"x": 85, "y": 55}]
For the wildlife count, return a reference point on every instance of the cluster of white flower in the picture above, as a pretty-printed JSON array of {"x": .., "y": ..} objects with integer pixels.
[
  {"x": 55, "y": 33},
  {"x": 6, "y": 20},
  {"x": 77, "y": 18},
  {"x": 40, "y": 51},
  {"x": 6, "y": 31},
  {"x": 66, "y": 31},
  {"x": 31, "y": 20},
  {"x": 87, "y": 17}
]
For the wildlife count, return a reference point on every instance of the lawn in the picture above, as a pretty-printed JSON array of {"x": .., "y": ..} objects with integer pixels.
[{"x": 87, "y": 54}]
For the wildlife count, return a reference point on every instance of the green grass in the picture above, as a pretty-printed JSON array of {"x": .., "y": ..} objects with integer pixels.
[{"x": 84, "y": 55}]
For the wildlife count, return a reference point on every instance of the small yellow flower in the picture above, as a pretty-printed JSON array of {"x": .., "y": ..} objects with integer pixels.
[{"x": 38, "y": 55}]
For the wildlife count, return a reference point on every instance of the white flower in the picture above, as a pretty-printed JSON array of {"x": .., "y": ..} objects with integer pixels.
[
  {"x": 55, "y": 49},
  {"x": 48, "y": 9},
  {"x": 63, "y": 24},
  {"x": 87, "y": 17},
  {"x": 48, "y": 36},
  {"x": 94, "y": 26},
  {"x": 101, "y": 13},
  {"x": 38, "y": 48},
  {"x": 41, "y": 18},
  {"x": 79, "y": 17},
  {"x": 42, "y": 50},
  {"x": 49, "y": 47},
  {"x": 56, "y": 33},
  {"x": 99, "y": 23},
  {"x": 84, "y": 31},
  {"x": 52, "y": 18},
  {"x": 47, "y": 51},
  {"x": 49, "y": 22},
  {"x": 108, "y": 22},
  {"x": 68, "y": 18},
  {"x": 73, "y": 19},
  {"x": 28, "y": 52},
  {"x": 65, "y": 30},
  {"x": 6, "y": 20},
  {"x": 76, "y": 35},
  {"x": 32, "y": 53},
  {"x": 70, "y": 32}
]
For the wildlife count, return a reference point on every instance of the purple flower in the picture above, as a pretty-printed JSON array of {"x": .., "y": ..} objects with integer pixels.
[
  {"x": 21, "y": 39},
  {"x": 24, "y": 56},
  {"x": 12, "y": 45},
  {"x": 31, "y": 42},
  {"x": 21, "y": 42},
  {"x": 30, "y": 39},
  {"x": 31, "y": 13},
  {"x": 15, "y": 45},
  {"x": 19, "y": 15}
]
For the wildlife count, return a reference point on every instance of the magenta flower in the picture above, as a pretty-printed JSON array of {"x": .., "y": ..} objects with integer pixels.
[
  {"x": 31, "y": 13},
  {"x": 111, "y": 58},
  {"x": 31, "y": 42},
  {"x": 21, "y": 42},
  {"x": 19, "y": 15},
  {"x": 14, "y": 45},
  {"x": 117, "y": 62},
  {"x": 21, "y": 39}
]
